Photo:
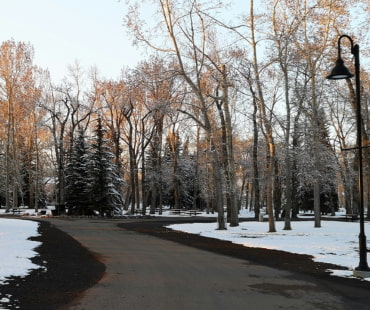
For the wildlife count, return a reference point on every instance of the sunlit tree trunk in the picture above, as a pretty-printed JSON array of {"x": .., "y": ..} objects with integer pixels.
[
  {"x": 230, "y": 163},
  {"x": 267, "y": 126},
  {"x": 316, "y": 185}
]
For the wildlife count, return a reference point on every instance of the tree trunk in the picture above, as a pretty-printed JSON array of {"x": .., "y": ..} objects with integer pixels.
[
  {"x": 143, "y": 171},
  {"x": 234, "y": 210},
  {"x": 132, "y": 176},
  {"x": 277, "y": 191},
  {"x": 255, "y": 181},
  {"x": 267, "y": 126},
  {"x": 288, "y": 194},
  {"x": 218, "y": 188},
  {"x": 197, "y": 176},
  {"x": 294, "y": 177},
  {"x": 316, "y": 195}
]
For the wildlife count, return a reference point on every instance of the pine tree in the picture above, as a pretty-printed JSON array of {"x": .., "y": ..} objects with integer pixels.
[
  {"x": 324, "y": 171},
  {"x": 178, "y": 172},
  {"x": 77, "y": 188},
  {"x": 170, "y": 170},
  {"x": 104, "y": 176}
]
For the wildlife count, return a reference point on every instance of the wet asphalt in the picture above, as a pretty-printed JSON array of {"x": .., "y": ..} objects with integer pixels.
[{"x": 145, "y": 272}]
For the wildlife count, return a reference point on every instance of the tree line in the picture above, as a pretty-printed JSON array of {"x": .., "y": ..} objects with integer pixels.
[{"x": 222, "y": 114}]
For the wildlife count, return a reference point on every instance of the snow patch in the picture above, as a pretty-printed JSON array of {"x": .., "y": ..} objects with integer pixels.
[{"x": 336, "y": 242}]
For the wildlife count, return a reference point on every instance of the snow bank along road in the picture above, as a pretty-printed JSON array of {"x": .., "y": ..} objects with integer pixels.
[{"x": 144, "y": 272}]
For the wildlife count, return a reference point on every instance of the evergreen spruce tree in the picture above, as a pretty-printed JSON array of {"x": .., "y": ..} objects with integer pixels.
[
  {"x": 326, "y": 170},
  {"x": 171, "y": 178},
  {"x": 77, "y": 188},
  {"x": 178, "y": 170},
  {"x": 104, "y": 178}
]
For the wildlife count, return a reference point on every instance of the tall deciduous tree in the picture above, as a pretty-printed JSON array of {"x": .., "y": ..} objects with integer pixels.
[
  {"x": 18, "y": 96},
  {"x": 285, "y": 26},
  {"x": 68, "y": 111},
  {"x": 265, "y": 119},
  {"x": 111, "y": 97},
  {"x": 187, "y": 29},
  {"x": 320, "y": 20}
]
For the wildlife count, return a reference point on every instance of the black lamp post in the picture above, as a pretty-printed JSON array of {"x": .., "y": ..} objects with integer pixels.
[{"x": 340, "y": 71}]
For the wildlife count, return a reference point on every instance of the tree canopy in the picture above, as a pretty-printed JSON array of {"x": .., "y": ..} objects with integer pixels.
[{"x": 231, "y": 110}]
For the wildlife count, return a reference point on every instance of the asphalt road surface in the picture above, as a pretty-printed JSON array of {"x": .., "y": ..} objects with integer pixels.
[{"x": 144, "y": 272}]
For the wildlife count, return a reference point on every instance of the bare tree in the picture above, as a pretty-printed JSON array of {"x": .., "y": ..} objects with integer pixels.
[
  {"x": 18, "y": 95},
  {"x": 67, "y": 112},
  {"x": 266, "y": 122},
  {"x": 187, "y": 28}
]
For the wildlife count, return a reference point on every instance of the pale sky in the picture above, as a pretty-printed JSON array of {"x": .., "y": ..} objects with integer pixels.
[{"x": 63, "y": 31}]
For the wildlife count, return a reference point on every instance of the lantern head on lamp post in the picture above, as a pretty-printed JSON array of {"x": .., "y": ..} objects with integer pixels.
[{"x": 340, "y": 71}]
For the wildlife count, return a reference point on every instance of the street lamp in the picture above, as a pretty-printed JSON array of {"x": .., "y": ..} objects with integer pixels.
[{"x": 340, "y": 71}]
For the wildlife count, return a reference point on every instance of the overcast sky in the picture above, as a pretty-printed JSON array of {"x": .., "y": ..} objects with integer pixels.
[{"x": 62, "y": 31}]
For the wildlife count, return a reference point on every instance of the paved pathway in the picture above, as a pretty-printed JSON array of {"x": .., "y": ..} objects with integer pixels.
[{"x": 148, "y": 273}]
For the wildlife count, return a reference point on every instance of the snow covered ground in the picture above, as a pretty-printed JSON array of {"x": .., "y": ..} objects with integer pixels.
[
  {"x": 336, "y": 242},
  {"x": 16, "y": 250}
]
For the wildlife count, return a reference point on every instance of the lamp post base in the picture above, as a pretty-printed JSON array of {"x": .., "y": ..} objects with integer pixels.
[{"x": 361, "y": 273}]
